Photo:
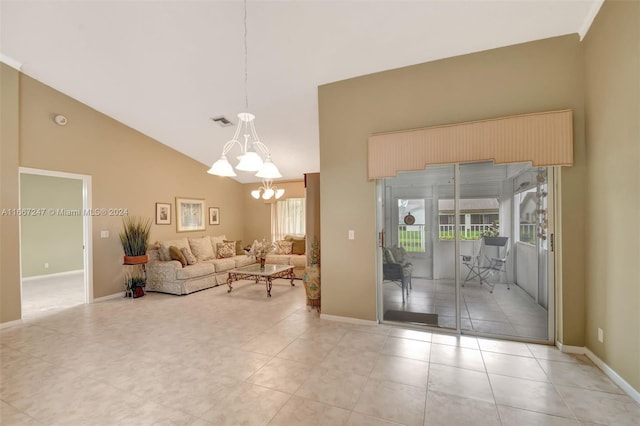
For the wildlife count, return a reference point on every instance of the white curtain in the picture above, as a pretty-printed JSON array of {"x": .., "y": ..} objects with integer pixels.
[{"x": 287, "y": 218}]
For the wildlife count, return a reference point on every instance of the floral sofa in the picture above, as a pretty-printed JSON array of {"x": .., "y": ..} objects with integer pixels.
[
  {"x": 204, "y": 263},
  {"x": 290, "y": 251}
]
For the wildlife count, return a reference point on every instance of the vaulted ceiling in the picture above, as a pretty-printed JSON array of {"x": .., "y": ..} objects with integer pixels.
[{"x": 165, "y": 68}]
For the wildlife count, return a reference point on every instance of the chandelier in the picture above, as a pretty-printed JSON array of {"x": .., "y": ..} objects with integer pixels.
[
  {"x": 267, "y": 190},
  {"x": 252, "y": 150}
]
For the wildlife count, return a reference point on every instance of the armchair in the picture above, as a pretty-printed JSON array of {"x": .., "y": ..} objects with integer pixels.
[{"x": 396, "y": 269}]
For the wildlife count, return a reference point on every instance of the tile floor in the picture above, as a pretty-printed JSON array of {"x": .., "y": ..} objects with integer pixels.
[
  {"x": 218, "y": 358},
  {"x": 503, "y": 312},
  {"x": 51, "y": 293}
]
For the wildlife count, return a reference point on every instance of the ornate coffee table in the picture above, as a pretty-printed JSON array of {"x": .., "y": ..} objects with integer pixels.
[{"x": 266, "y": 274}]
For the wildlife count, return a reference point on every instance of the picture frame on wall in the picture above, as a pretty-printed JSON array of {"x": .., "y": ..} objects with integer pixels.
[
  {"x": 214, "y": 216},
  {"x": 163, "y": 213},
  {"x": 190, "y": 214}
]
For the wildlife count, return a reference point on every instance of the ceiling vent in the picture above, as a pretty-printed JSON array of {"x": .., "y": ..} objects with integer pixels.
[{"x": 222, "y": 121}]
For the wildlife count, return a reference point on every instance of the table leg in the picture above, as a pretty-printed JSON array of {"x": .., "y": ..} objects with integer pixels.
[
  {"x": 292, "y": 276},
  {"x": 229, "y": 281},
  {"x": 268, "y": 283}
]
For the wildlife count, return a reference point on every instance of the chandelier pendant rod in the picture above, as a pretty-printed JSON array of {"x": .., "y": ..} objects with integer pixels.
[{"x": 246, "y": 61}]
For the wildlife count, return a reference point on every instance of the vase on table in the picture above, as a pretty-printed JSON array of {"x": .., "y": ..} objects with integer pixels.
[{"x": 262, "y": 261}]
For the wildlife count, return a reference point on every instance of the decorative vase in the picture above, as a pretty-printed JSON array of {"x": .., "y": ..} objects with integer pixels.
[
  {"x": 136, "y": 260},
  {"x": 262, "y": 261},
  {"x": 311, "y": 280}
]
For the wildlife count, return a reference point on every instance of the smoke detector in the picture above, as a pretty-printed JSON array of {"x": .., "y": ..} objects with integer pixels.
[
  {"x": 222, "y": 121},
  {"x": 60, "y": 120}
]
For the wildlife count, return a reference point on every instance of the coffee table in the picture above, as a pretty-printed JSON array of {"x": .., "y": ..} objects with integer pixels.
[{"x": 266, "y": 274}]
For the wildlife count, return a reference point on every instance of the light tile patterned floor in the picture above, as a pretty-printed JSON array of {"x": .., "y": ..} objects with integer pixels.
[{"x": 213, "y": 358}]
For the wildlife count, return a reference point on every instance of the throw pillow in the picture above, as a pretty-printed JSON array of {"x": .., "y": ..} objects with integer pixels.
[
  {"x": 239, "y": 248},
  {"x": 164, "y": 247},
  {"x": 284, "y": 247},
  {"x": 226, "y": 250},
  {"x": 201, "y": 248},
  {"x": 176, "y": 254},
  {"x": 299, "y": 245},
  {"x": 399, "y": 254},
  {"x": 191, "y": 259},
  {"x": 388, "y": 256},
  {"x": 214, "y": 243}
]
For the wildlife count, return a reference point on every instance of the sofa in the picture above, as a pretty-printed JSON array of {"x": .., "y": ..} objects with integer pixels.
[
  {"x": 290, "y": 251},
  {"x": 204, "y": 263}
]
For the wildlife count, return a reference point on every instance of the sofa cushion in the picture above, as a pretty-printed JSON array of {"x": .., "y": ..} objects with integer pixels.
[
  {"x": 154, "y": 253},
  {"x": 278, "y": 259},
  {"x": 201, "y": 248},
  {"x": 399, "y": 254},
  {"x": 239, "y": 248},
  {"x": 194, "y": 271},
  {"x": 298, "y": 261},
  {"x": 191, "y": 259},
  {"x": 164, "y": 247},
  {"x": 214, "y": 243},
  {"x": 176, "y": 254},
  {"x": 388, "y": 256},
  {"x": 298, "y": 245},
  {"x": 226, "y": 250},
  {"x": 243, "y": 260},
  {"x": 284, "y": 247},
  {"x": 222, "y": 265}
]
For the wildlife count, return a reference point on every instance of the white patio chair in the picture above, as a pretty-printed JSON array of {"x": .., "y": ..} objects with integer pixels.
[{"x": 489, "y": 262}]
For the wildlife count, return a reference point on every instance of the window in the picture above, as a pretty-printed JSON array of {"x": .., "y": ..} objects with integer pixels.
[
  {"x": 411, "y": 232},
  {"x": 477, "y": 215},
  {"x": 527, "y": 203},
  {"x": 288, "y": 218}
]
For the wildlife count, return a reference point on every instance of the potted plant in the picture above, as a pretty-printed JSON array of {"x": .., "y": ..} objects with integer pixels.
[
  {"x": 135, "y": 239},
  {"x": 134, "y": 286},
  {"x": 311, "y": 276}
]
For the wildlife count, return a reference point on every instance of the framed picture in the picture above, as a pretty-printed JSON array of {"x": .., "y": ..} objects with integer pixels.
[
  {"x": 163, "y": 213},
  {"x": 214, "y": 216},
  {"x": 189, "y": 214}
]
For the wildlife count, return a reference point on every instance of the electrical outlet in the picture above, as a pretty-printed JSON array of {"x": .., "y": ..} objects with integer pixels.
[
  {"x": 46, "y": 265},
  {"x": 600, "y": 335},
  {"x": 104, "y": 234}
]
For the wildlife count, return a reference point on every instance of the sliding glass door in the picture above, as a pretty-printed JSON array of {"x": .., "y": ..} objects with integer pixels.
[
  {"x": 411, "y": 291},
  {"x": 472, "y": 247}
]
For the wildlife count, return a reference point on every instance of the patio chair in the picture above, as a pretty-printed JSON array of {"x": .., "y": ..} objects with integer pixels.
[
  {"x": 491, "y": 260},
  {"x": 396, "y": 270}
]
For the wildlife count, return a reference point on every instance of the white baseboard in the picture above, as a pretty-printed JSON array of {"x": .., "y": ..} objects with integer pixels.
[
  {"x": 9, "y": 324},
  {"x": 109, "y": 297},
  {"x": 608, "y": 371},
  {"x": 347, "y": 320},
  {"x": 56, "y": 275}
]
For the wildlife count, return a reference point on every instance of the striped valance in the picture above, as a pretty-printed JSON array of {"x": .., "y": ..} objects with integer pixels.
[{"x": 544, "y": 139}]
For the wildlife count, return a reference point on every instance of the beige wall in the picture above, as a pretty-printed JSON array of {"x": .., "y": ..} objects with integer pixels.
[
  {"x": 612, "y": 105},
  {"x": 9, "y": 225},
  {"x": 128, "y": 170},
  {"x": 42, "y": 235},
  {"x": 538, "y": 76}
]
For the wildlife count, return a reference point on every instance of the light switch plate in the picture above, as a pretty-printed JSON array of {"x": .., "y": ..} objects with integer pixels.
[
  {"x": 104, "y": 234},
  {"x": 352, "y": 234}
]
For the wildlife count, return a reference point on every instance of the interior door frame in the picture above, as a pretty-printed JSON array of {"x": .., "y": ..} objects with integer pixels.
[{"x": 87, "y": 238}]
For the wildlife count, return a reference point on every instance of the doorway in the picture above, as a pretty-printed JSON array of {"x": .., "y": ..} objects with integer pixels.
[
  {"x": 486, "y": 231},
  {"x": 55, "y": 241}
]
